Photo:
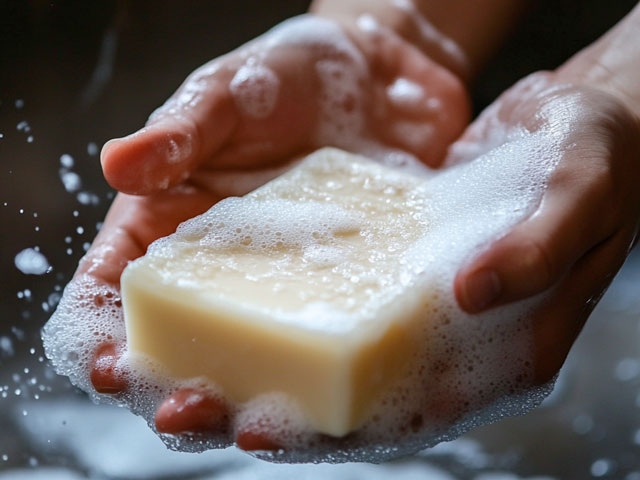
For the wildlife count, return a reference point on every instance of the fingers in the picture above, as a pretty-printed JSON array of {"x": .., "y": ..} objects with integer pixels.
[
  {"x": 194, "y": 410},
  {"x": 106, "y": 376},
  {"x": 252, "y": 441},
  {"x": 188, "y": 129},
  {"x": 575, "y": 215},
  {"x": 134, "y": 222},
  {"x": 559, "y": 322},
  {"x": 420, "y": 107},
  {"x": 191, "y": 410}
]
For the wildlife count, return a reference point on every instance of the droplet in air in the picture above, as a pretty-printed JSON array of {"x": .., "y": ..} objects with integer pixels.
[
  {"x": 70, "y": 180},
  {"x": 92, "y": 148},
  {"x": 601, "y": 467},
  {"x": 66, "y": 160},
  {"x": 31, "y": 262}
]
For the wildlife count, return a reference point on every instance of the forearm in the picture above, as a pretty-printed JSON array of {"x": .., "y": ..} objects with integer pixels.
[
  {"x": 459, "y": 34},
  {"x": 612, "y": 63}
]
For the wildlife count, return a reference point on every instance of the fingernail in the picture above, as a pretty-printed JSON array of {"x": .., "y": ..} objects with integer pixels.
[
  {"x": 481, "y": 289},
  {"x": 106, "y": 147}
]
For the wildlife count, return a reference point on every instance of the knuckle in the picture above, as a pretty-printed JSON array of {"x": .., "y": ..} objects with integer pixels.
[{"x": 537, "y": 263}]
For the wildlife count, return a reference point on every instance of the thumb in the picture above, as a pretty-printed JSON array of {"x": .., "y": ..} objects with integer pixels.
[{"x": 179, "y": 136}]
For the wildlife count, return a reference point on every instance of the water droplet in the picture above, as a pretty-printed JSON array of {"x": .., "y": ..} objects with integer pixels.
[
  {"x": 6, "y": 346},
  {"x": 582, "y": 424},
  {"x": 601, "y": 467},
  {"x": 70, "y": 180},
  {"x": 92, "y": 148},
  {"x": 627, "y": 369},
  {"x": 66, "y": 160},
  {"x": 31, "y": 262}
]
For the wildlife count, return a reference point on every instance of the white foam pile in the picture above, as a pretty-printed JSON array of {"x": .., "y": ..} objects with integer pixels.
[{"x": 472, "y": 369}]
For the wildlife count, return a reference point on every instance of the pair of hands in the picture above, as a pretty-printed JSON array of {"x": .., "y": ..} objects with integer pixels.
[{"x": 205, "y": 144}]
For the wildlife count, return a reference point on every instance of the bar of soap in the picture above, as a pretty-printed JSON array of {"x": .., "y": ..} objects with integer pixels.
[{"x": 304, "y": 286}]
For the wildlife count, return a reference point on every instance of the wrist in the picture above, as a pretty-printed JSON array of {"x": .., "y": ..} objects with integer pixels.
[{"x": 611, "y": 64}]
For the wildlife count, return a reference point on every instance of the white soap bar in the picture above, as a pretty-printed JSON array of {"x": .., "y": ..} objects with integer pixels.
[{"x": 303, "y": 286}]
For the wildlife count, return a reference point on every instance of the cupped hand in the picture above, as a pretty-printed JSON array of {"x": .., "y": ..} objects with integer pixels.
[
  {"x": 238, "y": 121},
  {"x": 588, "y": 219}
]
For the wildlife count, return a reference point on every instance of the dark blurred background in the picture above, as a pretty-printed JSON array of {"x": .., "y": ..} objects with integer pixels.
[{"x": 74, "y": 74}]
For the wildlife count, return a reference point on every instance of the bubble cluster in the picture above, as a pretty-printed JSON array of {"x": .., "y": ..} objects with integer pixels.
[
  {"x": 404, "y": 93},
  {"x": 289, "y": 224},
  {"x": 255, "y": 89},
  {"x": 88, "y": 315}
]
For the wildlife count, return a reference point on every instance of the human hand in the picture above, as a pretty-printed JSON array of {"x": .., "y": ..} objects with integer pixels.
[
  {"x": 587, "y": 222},
  {"x": 228, "y": 129}
]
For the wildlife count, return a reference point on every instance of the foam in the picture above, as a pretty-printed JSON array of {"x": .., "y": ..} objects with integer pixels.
[
  {"x": 404, "y": 93},
  {"x": 416, "y": 135},
  {"x": 259, "y": 226},
  {"x": 70, "y": 339},
  {"x": 472, "y": 370},
  {"x": 367, "y": 23},
  {"x": 255, "y": 89}
]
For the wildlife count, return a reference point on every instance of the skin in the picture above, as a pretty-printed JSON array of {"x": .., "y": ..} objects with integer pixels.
[
  {"x": 587, "y": 222},
  {"x": 572, "y": 245}
]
